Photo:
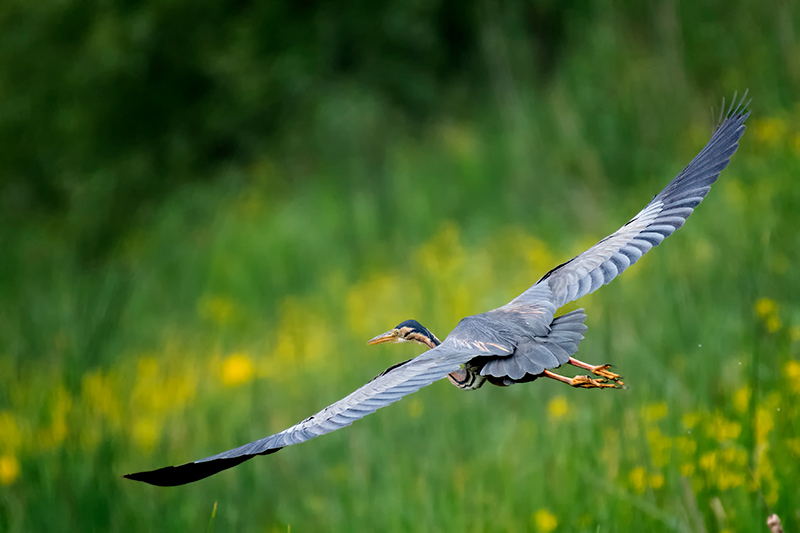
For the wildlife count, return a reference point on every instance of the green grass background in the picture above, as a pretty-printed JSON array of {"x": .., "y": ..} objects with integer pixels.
[{"x": 160, "y": 312}]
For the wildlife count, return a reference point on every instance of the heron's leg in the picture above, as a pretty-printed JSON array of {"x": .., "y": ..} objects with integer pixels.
[
  {"x": 598, "y": 370},
  {"x": 584, "y": 382}
]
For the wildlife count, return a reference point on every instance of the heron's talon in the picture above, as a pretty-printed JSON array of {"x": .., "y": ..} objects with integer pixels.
[
  {"x": 585, "y": 382},
  {"x": 603, "y": 371},
  {"x": 598, "y": 370}
]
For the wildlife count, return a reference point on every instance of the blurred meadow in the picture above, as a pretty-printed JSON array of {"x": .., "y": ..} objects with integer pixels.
[{"x": 208, "y": 208}]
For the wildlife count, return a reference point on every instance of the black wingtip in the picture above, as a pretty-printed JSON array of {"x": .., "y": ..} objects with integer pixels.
[{"x": 172, "y": 476}]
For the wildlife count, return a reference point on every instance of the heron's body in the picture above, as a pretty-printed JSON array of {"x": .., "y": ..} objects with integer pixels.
[{"x": 516, "y": 343}]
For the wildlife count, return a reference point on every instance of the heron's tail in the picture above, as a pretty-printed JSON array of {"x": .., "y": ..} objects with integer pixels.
[{"x": 534, "y": 356}]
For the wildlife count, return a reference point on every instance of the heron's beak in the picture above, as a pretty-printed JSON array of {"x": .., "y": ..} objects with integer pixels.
[{"x": 390, "y": 336}]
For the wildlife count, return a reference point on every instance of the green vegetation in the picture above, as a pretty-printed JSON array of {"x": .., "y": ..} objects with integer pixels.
[{"x": 208, "y": 209}]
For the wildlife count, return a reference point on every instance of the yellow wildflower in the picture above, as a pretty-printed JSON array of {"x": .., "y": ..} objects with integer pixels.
[
  {"x": 725, "y": 468},
  {"x": 380, "y": 291},
  {"x": 545, "y": 521},
  {"x": 237, "y": 369},
  {"x": 557, "y": 408},
  {"x": 773, "y": 323},
  {"x": 727, "y": 479},
  {"x": 656, "y": 481},
  {"x": 764, "y": 478},
  {"x": 721, "y": 429},
  {"x": 791, "y": 369},
  {"x": 765, "y": 308},
  {"x": 764, "y": 424},
  {"x": 734, "y": 456},
  {"x": 539, "y": 257},
  {"x": 655, "y": 412},
  {"x": 794, "y": 446},
  {"x": 708, "y": 461},
  {"x": 10, "y": 434},
  {"x": 145, "y": 432},
  {"x": 660, "y": 446},
  {"x": 638, "y": 480},
  {"x": 741, "y": 399},
  {"x": 690, "y": 420},
  {"x": 686, "y": 445},
  {"x": 9, "y": 469},
  {"x": 61, "y": 407},
  {"x": 443, "y": 254},
  {"x": 687, "y": 469},
  {"x": 154, "y": 393},
  {"x": 98, "y": 395},
  {"x": 770, "y": 130}
]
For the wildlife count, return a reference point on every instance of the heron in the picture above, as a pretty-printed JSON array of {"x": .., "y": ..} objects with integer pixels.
[{"x": 519, "y": 342}]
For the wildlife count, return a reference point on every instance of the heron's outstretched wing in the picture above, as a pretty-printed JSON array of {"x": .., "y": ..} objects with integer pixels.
[
  {"x": 385, "y": 389},
  {"x": 667, "y": 212}
]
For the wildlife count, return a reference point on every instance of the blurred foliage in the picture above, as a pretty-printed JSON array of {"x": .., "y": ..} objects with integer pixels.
[
  {"x": 206, "y": 208},
  {"x": 108, "y": 106}
]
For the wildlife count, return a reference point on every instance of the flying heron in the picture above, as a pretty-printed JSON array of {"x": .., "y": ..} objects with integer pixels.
[{"x": 518, "y": 342}]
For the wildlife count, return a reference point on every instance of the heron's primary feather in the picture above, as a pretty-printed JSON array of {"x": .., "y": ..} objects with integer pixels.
[{"x": 667, "y": 212}]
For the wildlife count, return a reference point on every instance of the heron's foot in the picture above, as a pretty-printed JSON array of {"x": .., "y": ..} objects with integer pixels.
[
  {"x": 603, "y": 371},
  {"x": 585, "y": 382},
  {"x": 598, "y": 370}
]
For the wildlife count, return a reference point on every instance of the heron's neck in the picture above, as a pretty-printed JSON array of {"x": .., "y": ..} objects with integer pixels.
[{"x": 427, "y": 338}]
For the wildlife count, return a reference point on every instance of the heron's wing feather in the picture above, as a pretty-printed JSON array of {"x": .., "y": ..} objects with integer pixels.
[
  {"x": 385, "y": 389},
  {"x": 667, "y": 212}
]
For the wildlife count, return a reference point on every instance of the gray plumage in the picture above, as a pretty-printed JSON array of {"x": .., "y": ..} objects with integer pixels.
[
  {"x": 534, "y": 355},
  {"x": 519, "y": 340}
]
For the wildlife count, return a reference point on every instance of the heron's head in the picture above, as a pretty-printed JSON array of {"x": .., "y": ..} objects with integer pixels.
[{"x": 410, "y": 330}]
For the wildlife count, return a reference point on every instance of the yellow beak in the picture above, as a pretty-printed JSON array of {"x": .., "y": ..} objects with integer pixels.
[{"x": 389, "y": 336}]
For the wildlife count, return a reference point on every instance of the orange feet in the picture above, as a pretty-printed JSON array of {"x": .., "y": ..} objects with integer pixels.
[
  {"x": 598, "y": 370},
  {"x": 584, "y": 382}
]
